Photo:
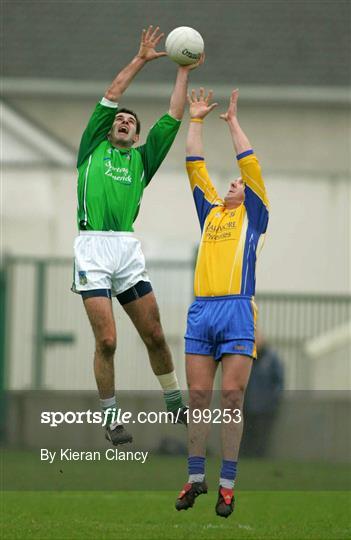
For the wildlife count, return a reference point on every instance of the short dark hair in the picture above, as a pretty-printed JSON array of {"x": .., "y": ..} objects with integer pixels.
[{"x": 128, "y": 111}]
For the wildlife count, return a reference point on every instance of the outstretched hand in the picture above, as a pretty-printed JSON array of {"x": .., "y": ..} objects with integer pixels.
[
  {"x": 149, "y": 40},
  {"x": 199, "y": 105},
  {"x": 233, "y": 108},
  {"x": 190, "y": 67}
]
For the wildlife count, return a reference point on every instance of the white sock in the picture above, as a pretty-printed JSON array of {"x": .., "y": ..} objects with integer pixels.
[
  {"x": 107, "y": 403},
  {"x": 196, "y": 478},
  {"x": 224, "y": 482},
  {"x": 171, "y": 391},
  {"x": 168, "y": 381}
]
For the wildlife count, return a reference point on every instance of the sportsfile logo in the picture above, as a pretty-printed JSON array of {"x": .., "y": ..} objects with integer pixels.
[
  {"x": 206, "y": 416},
  {"x": 109, "y": 416}
]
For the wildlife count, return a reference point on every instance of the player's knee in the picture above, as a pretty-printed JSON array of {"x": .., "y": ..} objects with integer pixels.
[
  {"x": 106, "y": 346},
  {"x": 155, "y": 339},
  {"x": 199, "y": 398},
  {"x": 233, "y": 398}
]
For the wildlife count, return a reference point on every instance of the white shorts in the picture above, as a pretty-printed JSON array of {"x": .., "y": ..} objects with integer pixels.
[{"x": 107, "y": 260}]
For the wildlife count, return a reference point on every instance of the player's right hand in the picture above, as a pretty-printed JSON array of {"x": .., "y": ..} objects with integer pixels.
[
  {"x": 149, "y": 40},
  {"x": 199, "y": 104},
  {"x": 190, "y": 67}
]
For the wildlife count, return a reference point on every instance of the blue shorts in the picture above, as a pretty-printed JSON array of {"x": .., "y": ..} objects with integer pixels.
[{"x": 220, "y": 325}]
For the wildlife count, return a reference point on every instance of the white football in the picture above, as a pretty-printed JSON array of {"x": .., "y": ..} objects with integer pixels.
[{"x": 184, "y": 45}]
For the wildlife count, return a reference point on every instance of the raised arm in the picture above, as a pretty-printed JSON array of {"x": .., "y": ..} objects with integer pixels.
[
  {"x": 199, "y": 107},
  {"x": 180, "y": 90},
  {"x": 240, "y": 141},
  {"x": 204, "y": 192},
  {"x": 104, "y": 114},
  {"x": 162, "y": 134},
  {"x": 149, "y": 40},
  {"x": 256, "y": 200}
]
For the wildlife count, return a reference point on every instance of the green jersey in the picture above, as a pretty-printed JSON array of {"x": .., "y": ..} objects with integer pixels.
[{"x": 111, "y": 181}]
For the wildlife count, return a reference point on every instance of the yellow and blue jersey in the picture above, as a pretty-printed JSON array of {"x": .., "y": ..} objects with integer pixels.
[{"x": 231, "y": 238}]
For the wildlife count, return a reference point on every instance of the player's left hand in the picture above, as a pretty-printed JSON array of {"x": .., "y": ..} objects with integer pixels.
[
  {"x": 233, "y": 106},
  {"x": 150, "y": 38}
]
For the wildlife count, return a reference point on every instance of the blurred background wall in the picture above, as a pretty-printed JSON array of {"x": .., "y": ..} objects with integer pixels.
[{"x": 291, "y": 62}]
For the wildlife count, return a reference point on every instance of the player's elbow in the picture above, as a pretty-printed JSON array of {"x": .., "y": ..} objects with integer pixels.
[
  {"x": 111, "y": 95},
  {"x": 175, "y": 113}
]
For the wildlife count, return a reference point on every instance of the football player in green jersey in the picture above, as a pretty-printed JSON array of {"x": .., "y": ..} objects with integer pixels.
[{"x": 112, "y": 175}]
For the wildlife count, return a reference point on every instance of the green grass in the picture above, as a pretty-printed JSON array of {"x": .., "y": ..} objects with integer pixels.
[
  {"x": 95, "y": 500},
  {"x": 151, "y": 515},
  {"x": 23, "y": 471}
]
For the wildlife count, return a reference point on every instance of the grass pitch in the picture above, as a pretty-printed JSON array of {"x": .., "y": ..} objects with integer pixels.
[
  {"x": 96, "y": 501},
  {"x": 151, "y": 515}
]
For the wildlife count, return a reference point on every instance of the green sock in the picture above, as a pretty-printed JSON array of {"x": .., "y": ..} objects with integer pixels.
[
  {"x": 173, "y": 399},
  {"x": 111, "y": 415},
  {"x": 171, "y": 391},
  {"x": 109, "y": 405}
]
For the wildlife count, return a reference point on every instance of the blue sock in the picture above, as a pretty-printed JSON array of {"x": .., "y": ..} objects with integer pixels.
[
  {"x": 196, "y": 468},
  {"x": 228, "y": 473}
]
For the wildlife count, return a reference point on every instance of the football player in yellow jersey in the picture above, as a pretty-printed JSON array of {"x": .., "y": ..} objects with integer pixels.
[{"x": 222, "y": 319}]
